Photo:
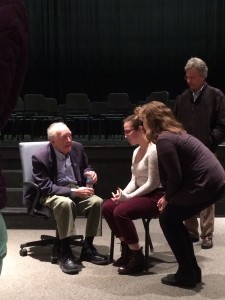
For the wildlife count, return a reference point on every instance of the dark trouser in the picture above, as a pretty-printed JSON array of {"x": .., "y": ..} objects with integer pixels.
[
  {"x": 171, "y": 221},
  {"x": 119, "y": 216}
]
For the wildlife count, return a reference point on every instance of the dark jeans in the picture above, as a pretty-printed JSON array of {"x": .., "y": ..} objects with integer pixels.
[{"x": 119, "y": 216}]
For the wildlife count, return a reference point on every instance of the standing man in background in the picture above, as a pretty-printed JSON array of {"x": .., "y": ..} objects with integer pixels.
[
  {"x": 201, "y": 110},
  {"x": 13, "y": 65}
]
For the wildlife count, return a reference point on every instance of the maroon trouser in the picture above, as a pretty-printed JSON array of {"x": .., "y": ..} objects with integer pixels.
[{"x": 119, "y": 216}]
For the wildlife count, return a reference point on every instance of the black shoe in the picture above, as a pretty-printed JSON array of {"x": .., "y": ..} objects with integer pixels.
[
  {"x": 174, "y": 280},
  {"x": 207, "y": 243},
  {"x": 91, "y": 255},
  {"x": 195, "y": 239},
  {"x": 68, "y": 265}
]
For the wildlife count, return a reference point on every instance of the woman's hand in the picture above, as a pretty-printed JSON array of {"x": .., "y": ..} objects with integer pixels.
[
  {"x": 162, "y": 203},
  {"x": 119, "y": 196}
]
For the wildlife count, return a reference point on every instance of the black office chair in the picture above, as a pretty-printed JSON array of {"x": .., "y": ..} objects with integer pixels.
[
  {"x": 34, "y": 208},
  {"x": 148, "y": 242}
]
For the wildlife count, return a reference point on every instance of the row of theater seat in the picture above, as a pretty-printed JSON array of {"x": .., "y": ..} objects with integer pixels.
[{"x": 34, "y": 113}]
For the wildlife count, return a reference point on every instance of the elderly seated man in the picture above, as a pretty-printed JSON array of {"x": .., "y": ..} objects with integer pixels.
[{"x": 60, "y": 170}]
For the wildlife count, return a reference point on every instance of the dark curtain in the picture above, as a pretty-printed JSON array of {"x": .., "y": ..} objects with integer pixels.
[{"x": 134, "y": 46}]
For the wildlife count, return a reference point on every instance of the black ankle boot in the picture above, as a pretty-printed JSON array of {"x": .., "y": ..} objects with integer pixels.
[
  {"x": 198, "y": 273},
  {"x": 135, "y": 263},
  {"x": 123, "y": 260},
  {"x": 197, "y": 269}
]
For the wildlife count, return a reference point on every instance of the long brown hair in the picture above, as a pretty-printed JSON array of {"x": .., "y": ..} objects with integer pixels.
[{"x": 159, "y": 118}]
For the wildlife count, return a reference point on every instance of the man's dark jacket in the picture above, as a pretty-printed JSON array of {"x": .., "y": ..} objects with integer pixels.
[
  {"x": 203, "y": 118},
  {"x": 45, "y": 169}
]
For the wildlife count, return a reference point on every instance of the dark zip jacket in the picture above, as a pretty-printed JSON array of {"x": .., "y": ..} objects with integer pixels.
[{"x": 204, "y": 118}]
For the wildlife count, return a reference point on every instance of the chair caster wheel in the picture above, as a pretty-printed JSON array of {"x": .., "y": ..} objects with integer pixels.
[
  {"x": 23, "y": 252},
  {"x": 54, "y": 259}
]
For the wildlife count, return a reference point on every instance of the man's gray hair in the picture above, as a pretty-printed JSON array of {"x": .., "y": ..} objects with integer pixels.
[
  {"x": 198, "y": 64},
  {"x": 55, "y": 128}
]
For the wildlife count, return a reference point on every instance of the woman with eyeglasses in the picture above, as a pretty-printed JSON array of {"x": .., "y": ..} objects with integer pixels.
[
  {"x": 138, "y": 199},
  {"x": 192, "y": 179}
]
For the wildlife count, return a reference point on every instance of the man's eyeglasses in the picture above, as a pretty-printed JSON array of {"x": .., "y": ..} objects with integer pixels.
[
  {"x": 128, "y": 131},
  {"x": 187, "y": 78}
]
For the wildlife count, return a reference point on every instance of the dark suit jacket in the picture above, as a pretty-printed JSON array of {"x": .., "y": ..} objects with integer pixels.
[{"x": 45, "y": 169}]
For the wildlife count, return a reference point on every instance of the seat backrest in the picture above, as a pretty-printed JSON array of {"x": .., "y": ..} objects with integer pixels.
[
  {"x": 140, "y": 103},
  {"x": 27, "y": 149},
  {"x": 117, "y": 102},
  {"x": 51, "y": 106},
  {"x": 34, "y": 104},
  {"x": 61, "y": 110},
  {"x": 77, "y": 103},
  {"x": 171, "y": 104},
  {"x": 162, "y": 96},
  {"x": 97, "y": 108},
  {"x": 19, "y": 106}
]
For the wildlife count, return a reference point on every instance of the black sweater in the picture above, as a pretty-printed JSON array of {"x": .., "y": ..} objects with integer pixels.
[{"x": 189, "y": 172}]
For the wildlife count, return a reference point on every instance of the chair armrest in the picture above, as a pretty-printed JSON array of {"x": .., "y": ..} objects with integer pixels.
[{"x": 32, "y": 195}]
